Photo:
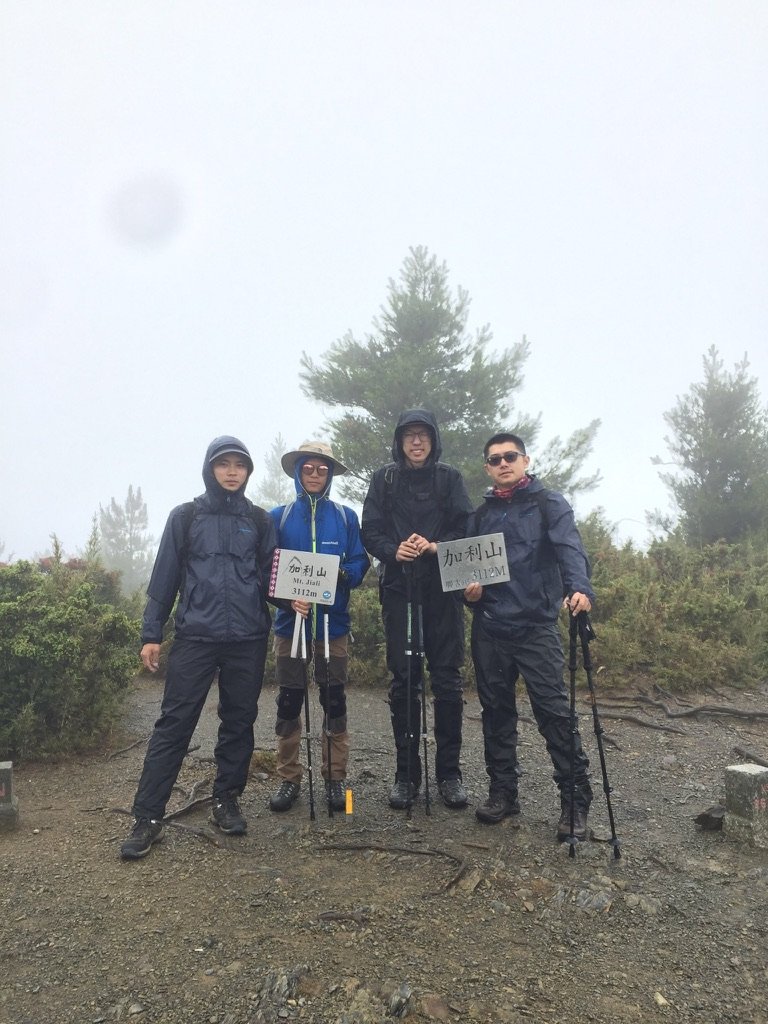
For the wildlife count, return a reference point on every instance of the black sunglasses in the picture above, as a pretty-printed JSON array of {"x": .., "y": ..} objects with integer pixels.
[{"x": 495, "y": 460}]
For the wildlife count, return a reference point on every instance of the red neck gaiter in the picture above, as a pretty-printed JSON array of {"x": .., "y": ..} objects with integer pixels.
[{"x": 507, "y": 492}]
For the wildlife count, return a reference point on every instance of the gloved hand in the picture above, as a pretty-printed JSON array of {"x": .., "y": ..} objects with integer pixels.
[{"x": 342, "y": 583}]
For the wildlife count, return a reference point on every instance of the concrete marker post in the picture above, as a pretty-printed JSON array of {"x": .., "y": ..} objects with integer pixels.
[
  {"x": 746, "y": 803},
  {"x": 9, "y": 805}
]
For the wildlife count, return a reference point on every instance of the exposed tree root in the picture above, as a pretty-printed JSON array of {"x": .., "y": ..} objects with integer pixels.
[
  {"x": 381, "y": 848},
  {"x": 124, "y": 750},
  {"x": 749, "y": 756}
]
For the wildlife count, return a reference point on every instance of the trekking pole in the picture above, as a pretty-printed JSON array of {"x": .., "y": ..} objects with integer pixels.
[
  {"x": 572, "y": 630},
  {"x": 586, "y": 633},
  {"x": 420, "y": 655},
  {"x": 407, "y": 568},
  {"x": 326, "y": 718},
  {"x": 303, "y": 644}
]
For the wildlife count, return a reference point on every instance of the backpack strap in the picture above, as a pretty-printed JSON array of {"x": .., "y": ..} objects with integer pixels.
[
  {"x": 258, "y": 516},
  {"x": 540, "y": 497},
  {"x": 286, "y": 513},
  {"x": 389, "y": 487},
  {"x": 187, "y": 515}
]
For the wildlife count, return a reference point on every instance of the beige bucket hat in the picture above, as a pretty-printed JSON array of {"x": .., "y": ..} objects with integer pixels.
[{"x": 319, "y": 448}]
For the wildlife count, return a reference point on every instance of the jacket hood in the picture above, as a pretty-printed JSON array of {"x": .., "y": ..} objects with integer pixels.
[
  {"x": 422, "y": 417},
  {"x": 221, "y": 446}
]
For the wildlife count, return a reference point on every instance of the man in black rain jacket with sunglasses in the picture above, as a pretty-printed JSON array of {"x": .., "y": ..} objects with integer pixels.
[{"x": 515, "y": 632}]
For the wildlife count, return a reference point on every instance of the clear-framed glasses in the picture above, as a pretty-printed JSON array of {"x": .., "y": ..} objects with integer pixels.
[
  {"x": 311, "y": 470},
  {"x": 495, "y": 460}
]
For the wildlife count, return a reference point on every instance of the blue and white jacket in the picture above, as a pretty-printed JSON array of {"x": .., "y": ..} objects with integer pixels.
[{"x": 315, "y": 523}]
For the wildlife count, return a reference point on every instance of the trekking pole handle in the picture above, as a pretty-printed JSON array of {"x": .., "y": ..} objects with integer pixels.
[{"x": 295, "y": 641}]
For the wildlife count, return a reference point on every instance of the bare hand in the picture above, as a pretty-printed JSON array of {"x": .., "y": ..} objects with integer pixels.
[
  {"x": 150, "y": 657},
  {"x": 473, "y": 592},
  {"x": 301, "y": 607},
  {"x": 578, "y": 603},
  {"x": 414, "y": 546}
]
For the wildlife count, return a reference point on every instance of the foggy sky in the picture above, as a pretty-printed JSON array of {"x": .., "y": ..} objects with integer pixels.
[{"x": 191, "y": 194}]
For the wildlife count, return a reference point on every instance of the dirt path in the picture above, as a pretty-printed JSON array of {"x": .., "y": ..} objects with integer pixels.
[{"x": 365, "y": 920}]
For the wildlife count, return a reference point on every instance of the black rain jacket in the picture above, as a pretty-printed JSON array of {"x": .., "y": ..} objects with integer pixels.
[
  {"x": 431, "y": 501},
  {"x": 220, "y": 572}
]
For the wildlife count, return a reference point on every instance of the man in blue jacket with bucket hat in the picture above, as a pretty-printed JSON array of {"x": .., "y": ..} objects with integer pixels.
[{"x": 313, "y": 522}]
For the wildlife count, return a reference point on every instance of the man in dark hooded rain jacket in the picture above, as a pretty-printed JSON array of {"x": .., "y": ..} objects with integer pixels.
[
  {"x": 215, "y": 554},
  {"x": 315, "y": 523},
  {"x": 412, "y": 504}
]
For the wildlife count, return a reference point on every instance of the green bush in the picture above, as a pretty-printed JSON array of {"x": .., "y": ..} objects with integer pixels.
[
  {"x": 367, "y": 654},
  {"x": 682, "y": 617},
  {"x": 66, "y": 659}
]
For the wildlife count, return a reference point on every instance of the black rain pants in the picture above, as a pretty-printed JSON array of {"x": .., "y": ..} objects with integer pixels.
[
  {"x": 192, "y": 666},
  {"x": 536, "y": 654}
]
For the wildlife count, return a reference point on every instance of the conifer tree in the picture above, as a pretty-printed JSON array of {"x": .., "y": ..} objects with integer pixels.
[
  {"x": 125, "y": 544},
  {"x": 275, "y": 488},
  {"x": 421, "y": 355},
  {"x": 720, "y": 446}
]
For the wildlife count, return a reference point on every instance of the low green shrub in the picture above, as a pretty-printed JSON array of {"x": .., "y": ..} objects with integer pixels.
[
  {"x": 66, "y": 659},
  {"x": 685, "y": 618}
]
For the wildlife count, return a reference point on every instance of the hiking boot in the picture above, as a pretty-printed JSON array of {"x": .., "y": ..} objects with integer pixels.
[
  {"x": 453, "y": 793},
  {"x": 227, "y": 815},
  {"x": 285, "y": 797},
  {"x": 402, "y": 794},
  {"x": 579, "y": 822},
  {"x": 144, "y": 833},
  {"x": 497, "y": 807},
  {"x": 334, "y": 791}
]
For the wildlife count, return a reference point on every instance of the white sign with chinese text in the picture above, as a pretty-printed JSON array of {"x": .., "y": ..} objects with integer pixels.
[
  {"x": 480, "y": 560},
  {"x": 304, "y": 576}
]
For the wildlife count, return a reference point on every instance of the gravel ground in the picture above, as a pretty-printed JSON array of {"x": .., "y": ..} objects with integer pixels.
[{"x": 375, "y": 917}]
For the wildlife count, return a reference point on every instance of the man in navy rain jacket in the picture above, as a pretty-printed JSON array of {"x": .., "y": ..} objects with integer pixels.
[
  {"x": 515, "y": 633},
  {"x": 315, "y": 523},
  {"x": 216, "y": 555}
]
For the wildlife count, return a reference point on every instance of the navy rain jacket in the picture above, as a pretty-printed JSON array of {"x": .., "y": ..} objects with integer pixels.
[
  {"x": 222, "y": 577},
  {"x": 431, "y": 501},
  {"x": 335, "y": 533},
  {"x": 547, "y": 561}
]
